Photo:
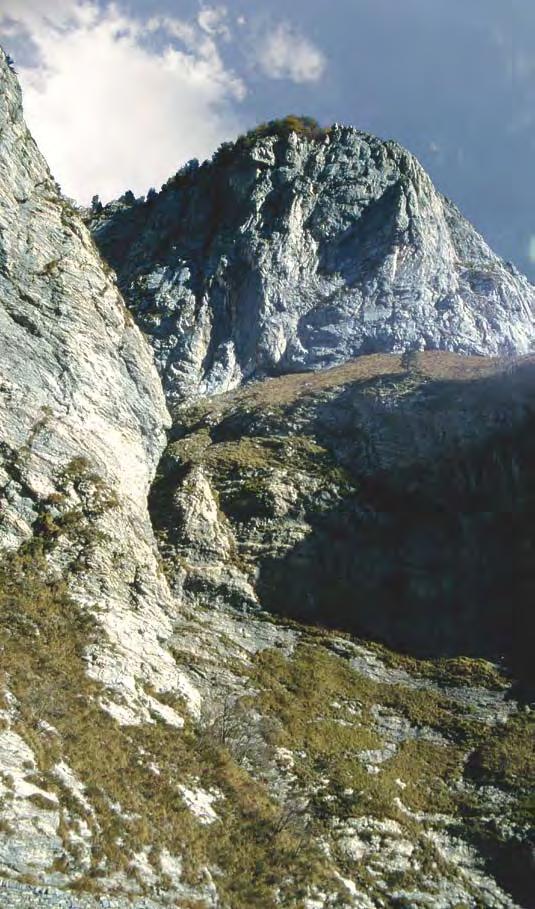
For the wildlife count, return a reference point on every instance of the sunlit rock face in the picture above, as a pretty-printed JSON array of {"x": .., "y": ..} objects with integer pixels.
[
  {"x": 82, "y": 413},
  {"x": 295, "y": 253},
  {"x": 77, "y": 376}
]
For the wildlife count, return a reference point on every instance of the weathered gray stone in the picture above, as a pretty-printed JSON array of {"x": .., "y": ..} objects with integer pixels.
[
  {"x": 306, "y": 278},
  {"x": 77, "y": 387},
  {"x": 300, "y": 253}
]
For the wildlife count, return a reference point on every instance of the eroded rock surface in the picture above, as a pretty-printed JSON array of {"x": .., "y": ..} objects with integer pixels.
[
  {"x": 298, "y": 252},
  {"x": 166, "y": 738},
  {"x": 391, "y": 498},
  {"x": 387, "y": 497},
  {"x": 85, "y": 609}
]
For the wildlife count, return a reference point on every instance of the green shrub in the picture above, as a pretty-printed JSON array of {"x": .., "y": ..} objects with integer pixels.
[{"x": 306, "y": 127}]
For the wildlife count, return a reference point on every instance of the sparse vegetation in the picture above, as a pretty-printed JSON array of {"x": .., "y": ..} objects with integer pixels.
[
  {"x": 265, "y": 846},
  {"x": 332, "y": 737},
  {"x": 507, "y": 758},
  {"x": 133, "y": 806},
  {"x": 330, "y": 726},
  {"x": 306, "y": 127}
]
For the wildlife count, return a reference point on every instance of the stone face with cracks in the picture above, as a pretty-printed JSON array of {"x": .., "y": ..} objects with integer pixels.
[
  {"x": 299, "y": 253},
  {"x": 77, "y": 386},
  {"x": 80, "y": 399},
  {"x": 297, "y": 249}
]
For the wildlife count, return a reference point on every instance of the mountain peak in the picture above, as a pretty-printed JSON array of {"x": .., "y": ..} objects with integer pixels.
[
  {"x": 165, "y": 738},
  {"x": 299, "y": 247}
]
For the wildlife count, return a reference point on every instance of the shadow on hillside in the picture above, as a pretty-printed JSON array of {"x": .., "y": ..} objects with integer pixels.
[{"x": 435, "y": 557}]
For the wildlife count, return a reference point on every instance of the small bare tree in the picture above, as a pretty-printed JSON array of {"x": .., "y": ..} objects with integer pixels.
[{"x": 234, "y": 724}]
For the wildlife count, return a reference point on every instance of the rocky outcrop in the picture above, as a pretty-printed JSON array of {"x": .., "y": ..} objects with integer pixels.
[
  {"x": 299, "y": 251},
  {"x": 164, "y": 738},
  {"x": 391, "y": 497},
  {"x": 82, "y": 412},
  {"x": 83, "y": 422}
]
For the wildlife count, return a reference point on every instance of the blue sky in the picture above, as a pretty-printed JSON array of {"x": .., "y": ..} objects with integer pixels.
[{"x": 119, "y": 95}]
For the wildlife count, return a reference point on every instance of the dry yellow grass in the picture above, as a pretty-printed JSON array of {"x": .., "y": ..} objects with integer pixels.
[{"x": 438, "y": 366}]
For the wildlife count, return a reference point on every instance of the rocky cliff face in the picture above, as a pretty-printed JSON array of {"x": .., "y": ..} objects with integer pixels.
[
  {"x": 292, "y": 252},
  {"x": 82, "y": 412},
  {"x": 384, "y": 497},
  {"x": 390, "y": 497},
  {"x": 84, "y": 609},
  {"x": 168, "y": 736}
]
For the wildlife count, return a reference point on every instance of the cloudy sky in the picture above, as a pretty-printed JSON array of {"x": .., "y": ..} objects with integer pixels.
[{"x": 119, "y": 95}]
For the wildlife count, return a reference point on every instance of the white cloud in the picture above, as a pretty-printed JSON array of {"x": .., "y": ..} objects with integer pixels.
[
  {"x": 115, "y": 103},
  {"x": 287, "y": 54},
  {"x": 212, "y": 19}
]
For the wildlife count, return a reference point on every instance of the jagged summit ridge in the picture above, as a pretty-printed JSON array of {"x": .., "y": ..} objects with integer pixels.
[{"x": 300, "y": 250}]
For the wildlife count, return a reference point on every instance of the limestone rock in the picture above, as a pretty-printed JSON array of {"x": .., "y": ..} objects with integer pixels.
[
  {"x": 295, "y": 252},
  {"x": 83, "y": 421},
  {"x": 369, "y": 497},
  {"x": 165, "y": 737},
  {"x": 81, "y": 405}
]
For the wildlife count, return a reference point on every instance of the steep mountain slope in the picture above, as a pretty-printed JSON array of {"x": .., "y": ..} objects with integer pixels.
[
  {"x": 83, "y": 421},
  {"x": 82, "y": 412},
  {"x": 389, "y": 497},
  {"x": 294, "y": 251},
  {"x": 165, "y": 740}
]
